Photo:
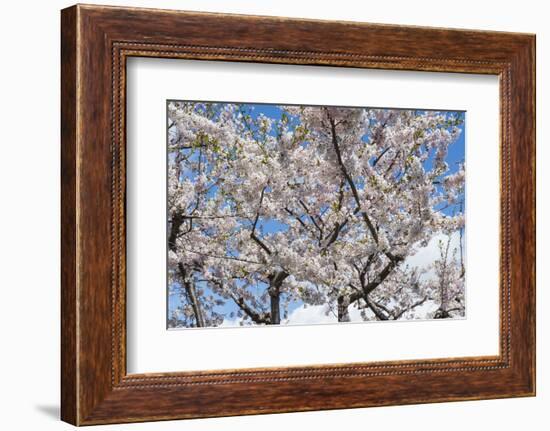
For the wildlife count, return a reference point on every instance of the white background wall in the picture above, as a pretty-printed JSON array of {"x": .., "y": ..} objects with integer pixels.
[{"x": 29, "y": 214}]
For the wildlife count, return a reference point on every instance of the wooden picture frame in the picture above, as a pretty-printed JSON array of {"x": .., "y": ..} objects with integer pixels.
[{"x": 95, "y": 43}]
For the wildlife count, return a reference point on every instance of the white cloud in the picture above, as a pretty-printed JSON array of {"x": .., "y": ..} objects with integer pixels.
[
  {"x": 355, "y": 314},
  {"x": 310, "y": 315},
  {"x": 230, "y": 323},
  {"x": 425, "y": 256}
]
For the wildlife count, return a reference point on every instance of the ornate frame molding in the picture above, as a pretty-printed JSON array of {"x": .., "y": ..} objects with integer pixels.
[{"x": 96, "y": 41}]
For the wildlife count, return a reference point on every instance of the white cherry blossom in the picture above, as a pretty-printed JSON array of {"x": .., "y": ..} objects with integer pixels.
[{"x": 321, "y": 206}]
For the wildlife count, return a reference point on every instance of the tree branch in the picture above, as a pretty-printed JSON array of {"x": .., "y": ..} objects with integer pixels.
[
  {"x": 304, "y": 206},
  {"x": 335, "y": 232},
  {"x": 380, "y": 156},
  {"x": 254, "y": 315},
  {"x": 383, "y": 274},
  {"x": 177, "y": 220},
  {"x": 349, "y": 180},
  {"x": 305, "y": 226},
  {"x": 215, "y": 256},
  {"x": 253, "y": 232},
  {"x": 192, "y": 296},
  {"x": 416, "y": 304},
  {"x": 374, "y": 307}
]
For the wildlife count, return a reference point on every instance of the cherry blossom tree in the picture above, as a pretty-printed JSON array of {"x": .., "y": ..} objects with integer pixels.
[
  {"x": 448, "y": 285},
  {"x": 319, "y": 206}
]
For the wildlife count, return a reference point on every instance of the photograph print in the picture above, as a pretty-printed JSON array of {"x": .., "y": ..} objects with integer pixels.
[{"x": 290, "y": 214}]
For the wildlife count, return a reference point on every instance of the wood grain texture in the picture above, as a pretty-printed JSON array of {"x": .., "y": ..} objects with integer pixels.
[
  {"x": 96, "y": 41},
  {"x": 69, "y": 397}
]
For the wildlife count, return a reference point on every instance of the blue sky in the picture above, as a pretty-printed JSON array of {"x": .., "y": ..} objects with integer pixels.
[{"x": 455, "y": 156}]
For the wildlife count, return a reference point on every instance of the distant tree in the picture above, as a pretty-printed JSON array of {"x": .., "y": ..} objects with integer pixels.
[{"x": 449, "y": 281}]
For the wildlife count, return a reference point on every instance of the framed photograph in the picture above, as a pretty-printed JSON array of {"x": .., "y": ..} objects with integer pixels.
[{"x": 264, "y": 214}]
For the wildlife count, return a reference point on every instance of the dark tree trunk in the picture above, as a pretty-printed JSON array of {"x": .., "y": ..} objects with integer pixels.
[
  {"x": 377, "y": 312},
  {"x": 192, "y": 293},
  {"x": 177, "y": 221},
  {"x": 368, "y": 288},
  {"x": 275, "y": 308},
  {"x": 441, "y": 313},
  {"x": 192, "y": 296},
  {"x": 275, "y": 282},
  {"x": 343, "y": 313}
]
